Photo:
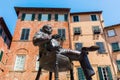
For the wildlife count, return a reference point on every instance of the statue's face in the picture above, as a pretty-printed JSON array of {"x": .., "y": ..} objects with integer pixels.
[{"x": 47, "y": 29}]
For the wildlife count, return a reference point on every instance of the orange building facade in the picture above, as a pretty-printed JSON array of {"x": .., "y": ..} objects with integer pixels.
[
  {"x": 87, "y": 30},
  {"x": 113, "y": 39},
  {"x": 5, "y": 41},
  {"x": 22, "y": 47},
  {"x": 77, "y": 29}
]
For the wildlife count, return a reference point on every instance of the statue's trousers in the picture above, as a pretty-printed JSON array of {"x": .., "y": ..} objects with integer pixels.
[{"x": 87, "y": 68}]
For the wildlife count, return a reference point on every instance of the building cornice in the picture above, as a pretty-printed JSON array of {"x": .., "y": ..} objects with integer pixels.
[
  {"x": 112, "y": 26},
  {"x": 89, "y": 12},
  {"x": 4, "y": 26},
  {"x": 17, "y": 9}
]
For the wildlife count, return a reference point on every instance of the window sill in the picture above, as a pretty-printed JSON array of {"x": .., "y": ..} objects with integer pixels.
[
  {"x": 22, "y": 40},
  {"x": 41, "y": 71},
  {"x": 35, "y": 71},
  {"x": 62, "y": 21},
  {"x": 94, "y": 20},
  {"x": 21, "y": 71},
  {"x": 116, "y": 51},
  {"x": 102, "y": 53},
  {"x": 112, "y": 36},
  {"x": 27, "y": 20},
  {"x": 77, "y": 34},
  {"x": 118, "y": 71},
  {"x": 76, "y": 21}
]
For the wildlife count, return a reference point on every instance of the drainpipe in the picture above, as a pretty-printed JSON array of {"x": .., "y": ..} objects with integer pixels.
[
  {"x": 106, "y": 42},
  {"x": 69, "y": 31}
]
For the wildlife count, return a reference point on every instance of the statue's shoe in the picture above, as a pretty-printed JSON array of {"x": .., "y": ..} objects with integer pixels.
[
  {"x": 92, "y": 48},
  {"x": 90, "y": 74}
]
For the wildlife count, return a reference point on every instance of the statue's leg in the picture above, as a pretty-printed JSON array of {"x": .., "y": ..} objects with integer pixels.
[
  {"x": 71, "y": 75},
  {"x": 87, "y": 68},
  {"x": 50, "y": 75},
  {"x": 38, "y": 74},
  {"x": 82, "y": 57}
]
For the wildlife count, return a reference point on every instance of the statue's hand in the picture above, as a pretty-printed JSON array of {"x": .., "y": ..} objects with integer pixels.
[{"x": 56, "y": 36}]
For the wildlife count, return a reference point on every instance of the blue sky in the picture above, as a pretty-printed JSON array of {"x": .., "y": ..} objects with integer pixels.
[{"x": 110, "y": 8}]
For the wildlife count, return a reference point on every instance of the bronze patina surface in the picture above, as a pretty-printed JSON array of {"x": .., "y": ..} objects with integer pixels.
[{"x": 54, "y": 58}]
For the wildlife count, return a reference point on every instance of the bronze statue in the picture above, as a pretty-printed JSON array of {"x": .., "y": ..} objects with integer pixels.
[{"x": 54, "y": 58}]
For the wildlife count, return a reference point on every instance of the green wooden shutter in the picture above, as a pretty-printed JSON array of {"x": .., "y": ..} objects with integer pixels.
[
  {"x": 100, "y": 73},
  {"x": 27, "y": 34},
  {"x": 22, "y": 34},
  {"x": 33, "y": 17},
  {"x": 5, "y": 38},
  {"x": 23, "y": 16},
  {"x": 101, "y": 47},
  {"x": 118, "y": 64},
  {"x": 81, "y": 75},
  {"x": 1, "y": 30},
  {"x": 56, "y": 17},
  {"x": 63, "y": 34},
  {"x": 109, "y": 73},
  {"x": 1, "y": 54},
  {"x": 115, "y": 46},
  {"x": 66, "y": 17},
  {"x": 60, "y": 33},
  {"x": 39, "y": 17},
  {"x": 78, "y": 46},
  {"x": 49, "y": 17}
]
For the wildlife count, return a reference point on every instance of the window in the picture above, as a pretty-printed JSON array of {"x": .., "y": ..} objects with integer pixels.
[
  {"x": 37, "y": 63},
  {"x": 105, "y": 73},
  {"x": 78, "y": 46},
  {"x": 1, "y": 30},
  {"x": 44, "y": 17},
  {"x": 1, "y": 54},
  {"x": 96, "y": 30},
  {"x": 81, "y": 75},
  {"x": 77, "y": 31},
  {"x": 5, "y": 39},
  {"x": 75, "y": 18},
  {"x": 20, "y": 62},
  {"x": 61, "y": 32},
  {"x": 28, "y": 17},
  {"x": 61, "y": 17},
  {"x": 93, "y": 17},
  {"x": 115, "y": 46},
  {"x": 8, "y": 42},
  {"x": 4, "y": 36},
  {"x": 101, "y": 47},
  {"x": 111, "y": 33},
  {"x": 118, "y": 64},
  {"x": 25, "y": 34}
]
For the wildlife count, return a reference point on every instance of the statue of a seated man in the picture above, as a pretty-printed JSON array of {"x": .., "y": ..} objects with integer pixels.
[{"x": 42, "y": 39}]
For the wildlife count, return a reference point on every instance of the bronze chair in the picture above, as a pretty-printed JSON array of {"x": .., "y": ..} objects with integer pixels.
[{"x": 55, "y": 62}]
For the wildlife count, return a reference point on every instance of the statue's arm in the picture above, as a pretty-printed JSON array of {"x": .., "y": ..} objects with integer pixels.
[{"x": 40, "y": 38}]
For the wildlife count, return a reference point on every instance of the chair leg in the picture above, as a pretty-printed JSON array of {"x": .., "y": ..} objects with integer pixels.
[
  {"x": 71, "y": 75},
  {"x": 56, "y": 68},
  {"x": 38, "y": 74},
  {"x": 50, "y": 75}
]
